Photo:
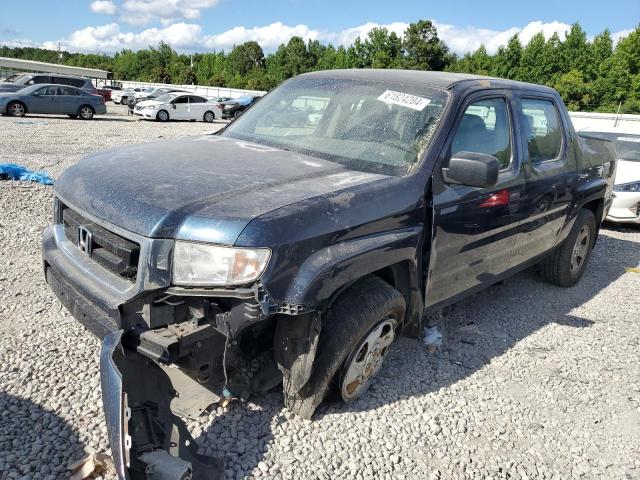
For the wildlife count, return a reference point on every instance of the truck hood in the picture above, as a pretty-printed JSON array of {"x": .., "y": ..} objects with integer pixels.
[{"x": 204, "y": 188}]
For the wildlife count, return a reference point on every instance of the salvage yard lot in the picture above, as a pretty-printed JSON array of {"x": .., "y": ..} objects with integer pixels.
[{"x": 533, "y": 381}]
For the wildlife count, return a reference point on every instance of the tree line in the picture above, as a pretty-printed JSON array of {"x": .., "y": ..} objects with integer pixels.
[{"x": 591, "y": 75}]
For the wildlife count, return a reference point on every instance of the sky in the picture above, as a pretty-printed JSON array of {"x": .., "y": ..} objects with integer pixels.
[{"x": 107, "y": 26}]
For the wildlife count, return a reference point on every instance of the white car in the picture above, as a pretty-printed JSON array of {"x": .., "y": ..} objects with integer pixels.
[
  {"x": 145, "y": 92},
  {"x": 179, "y": 106},
  {"x": 122, "y": 96},
  {"x": 626, "y": 203}
]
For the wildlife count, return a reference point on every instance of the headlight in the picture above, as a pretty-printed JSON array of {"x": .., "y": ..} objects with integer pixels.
[
  {"x": 211, "y": 265},
  {"x": 627, "y": 187}
]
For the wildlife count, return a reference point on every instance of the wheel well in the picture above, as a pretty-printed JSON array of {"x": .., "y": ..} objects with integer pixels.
[
  {"x": 87, "y": 105},
  {"x": 597, "y": 207},
  {"x": 400, "y": 277}
]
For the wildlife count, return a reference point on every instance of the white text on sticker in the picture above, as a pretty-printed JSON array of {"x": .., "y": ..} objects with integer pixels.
[{"x": 404, "y": 99}]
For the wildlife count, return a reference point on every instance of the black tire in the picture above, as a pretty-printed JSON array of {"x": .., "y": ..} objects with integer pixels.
[
  {"x": 86, "y": 112},
  {"x": 16, "y": 109},
  {"x": 352, "y": 316},
  {"x": 561, "y": 267},
  {"x": 163, "y": 116},
  {"x": 209, "y": 116},
  {"x": 236, "y": 114},
  {"x": 124, "y": 100}
]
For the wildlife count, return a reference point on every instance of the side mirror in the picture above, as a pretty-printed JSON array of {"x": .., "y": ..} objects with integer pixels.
[
  {"x": 173, "y": 105},
  {"x": 472, "y": 169}
]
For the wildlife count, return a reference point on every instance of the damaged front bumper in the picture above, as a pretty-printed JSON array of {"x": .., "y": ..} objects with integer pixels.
[{"x": 148, "y": 440}]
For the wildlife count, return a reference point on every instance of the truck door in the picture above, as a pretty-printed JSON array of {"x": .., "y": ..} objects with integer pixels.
[
  {"x": 549, "y": 178},
  {"x": 475, "y": 229}
]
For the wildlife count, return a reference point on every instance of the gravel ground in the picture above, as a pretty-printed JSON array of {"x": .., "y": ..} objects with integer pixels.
[{"x": 533, "y": 381}]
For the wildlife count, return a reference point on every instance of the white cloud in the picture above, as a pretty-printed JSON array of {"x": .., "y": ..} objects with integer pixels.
[
  {"x": 106, "y": 7},
  {"x": 186, "y": 36},
  {"x": 109, "y": 38},
  {"x": 468, "y": 39},
  {"x": 268, "y": 36},
  {"x": 141, "y": 12},
  {"x": 619, "y": 35}
]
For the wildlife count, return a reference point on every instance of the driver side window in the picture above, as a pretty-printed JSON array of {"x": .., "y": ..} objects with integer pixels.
[{"x": 484, "y": 128}]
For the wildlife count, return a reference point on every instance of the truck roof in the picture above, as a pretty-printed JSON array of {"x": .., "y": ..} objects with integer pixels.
[{"x": 443, "y": 80}]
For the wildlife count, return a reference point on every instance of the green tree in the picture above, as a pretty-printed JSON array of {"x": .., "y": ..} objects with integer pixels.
[{"x": 423, "y": 48}]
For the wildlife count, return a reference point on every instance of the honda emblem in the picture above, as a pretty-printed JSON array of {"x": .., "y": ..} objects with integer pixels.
[{"x": 85, "y": 240}]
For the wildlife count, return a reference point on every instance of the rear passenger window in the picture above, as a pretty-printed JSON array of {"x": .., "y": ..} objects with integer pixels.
[
  {"x": 541, "y": 129},
  {"x": 484, "y": 128},
  {"x": 198, "y": 100},
  {"x": 67, "y": 91}
]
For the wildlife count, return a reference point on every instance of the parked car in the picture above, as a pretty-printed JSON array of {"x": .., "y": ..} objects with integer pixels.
[
  {"x": 54, "y": 99},
  {"x": 269, "y": 254},
  {"x": 145, "y": 92},
  {"x": 122, "y": 96},
  {"x": 105, "y": 93},
  {"x": 626, "y": 202},
  {"x": 178, "y": 106},
  {"x": 158, "y": 92},
  {"x": 29, "y": 79},
  {"x": 236, "y": 106}
]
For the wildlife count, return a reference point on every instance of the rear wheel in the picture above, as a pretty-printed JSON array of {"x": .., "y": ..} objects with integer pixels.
[
  {"x": 16, "y": 109},
  {"x": 124, "y": 101},
  {"x": 86, "y": 112},
  {"x": 357, "y": 332},
  {"x": 162, "y": 116},
  {"x": 566, "y": 265},
  {"x": 209, "y": 117}
]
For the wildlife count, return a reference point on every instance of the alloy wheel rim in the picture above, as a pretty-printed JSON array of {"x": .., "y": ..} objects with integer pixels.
[
  {"x": 209, "y": 117},
  {"x": 17, "y": 110},
  {"x": 580, "y": 249},
  {"x": 367, "y": 360},
  {"x": 85, "y": 112},
  {"x": 162, "y": 116}
]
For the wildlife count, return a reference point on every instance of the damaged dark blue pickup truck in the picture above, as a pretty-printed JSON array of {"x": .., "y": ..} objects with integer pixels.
[{"x": 296, "y": 245}]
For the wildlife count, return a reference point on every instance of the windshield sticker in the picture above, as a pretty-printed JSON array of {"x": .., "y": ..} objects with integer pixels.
[{"x": 404, "y": 99}]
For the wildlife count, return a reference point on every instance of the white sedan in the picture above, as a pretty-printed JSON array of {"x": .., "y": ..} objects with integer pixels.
[
  {"x": 626, "y": 188},
  {"x": 179, "y": 106}
]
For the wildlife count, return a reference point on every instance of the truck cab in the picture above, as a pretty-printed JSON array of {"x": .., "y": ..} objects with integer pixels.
[{"x": 295, "y": 253}]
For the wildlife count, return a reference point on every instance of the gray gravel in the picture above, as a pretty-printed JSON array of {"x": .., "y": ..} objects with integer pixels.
[{"x": 532, "y": 381}]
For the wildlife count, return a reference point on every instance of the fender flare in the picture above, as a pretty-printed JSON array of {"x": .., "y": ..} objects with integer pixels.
[{"x": 331, "y": 268}]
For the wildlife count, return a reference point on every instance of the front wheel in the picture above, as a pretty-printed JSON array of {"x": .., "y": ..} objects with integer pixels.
[
  {"x": 16, "y": 109},
  {"x": 566, "y": 265},
  {"x": 356, "y": 335},
  {"x": 162, "y": 116},
  {"x": 209, "y": 117}
]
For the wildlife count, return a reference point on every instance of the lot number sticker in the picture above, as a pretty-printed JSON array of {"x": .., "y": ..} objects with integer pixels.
[{"x": 404, "y": 99}]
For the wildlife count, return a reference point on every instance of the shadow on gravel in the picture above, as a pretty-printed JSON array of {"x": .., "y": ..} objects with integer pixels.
[
  {"x": 34, "y": 443},
  {"x": 487, "y": 325}
]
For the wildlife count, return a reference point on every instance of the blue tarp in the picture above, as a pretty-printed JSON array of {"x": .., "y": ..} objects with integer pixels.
[
  {"x": 244, "y": 100},
  {"x": 12, "y": 171}
]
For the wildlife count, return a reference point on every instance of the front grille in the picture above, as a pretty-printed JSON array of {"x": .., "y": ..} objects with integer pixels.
[{"x": 113, "y": 252}]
